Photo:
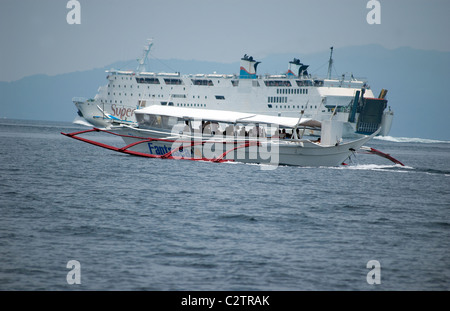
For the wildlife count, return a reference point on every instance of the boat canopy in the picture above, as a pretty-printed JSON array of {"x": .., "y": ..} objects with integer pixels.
[{"x": 226, "y": 116}]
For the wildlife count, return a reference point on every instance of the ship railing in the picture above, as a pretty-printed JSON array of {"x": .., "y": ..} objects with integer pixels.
[
  {"x": 367, "y": 127},
  {"x": 78, "y": 99}
]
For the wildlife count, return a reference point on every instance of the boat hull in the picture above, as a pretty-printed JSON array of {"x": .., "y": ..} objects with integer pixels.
[
  {"x": 89, "y": 111},
  {"x": 98, "y": 114},
  {"x": 261, "y": 151}
]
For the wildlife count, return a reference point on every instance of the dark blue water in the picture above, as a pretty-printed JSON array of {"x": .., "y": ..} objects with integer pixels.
[{"x": 149, "y": 224}]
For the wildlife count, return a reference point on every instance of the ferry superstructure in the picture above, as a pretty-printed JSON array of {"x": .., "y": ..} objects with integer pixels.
[{"x": 291, "y": 94}]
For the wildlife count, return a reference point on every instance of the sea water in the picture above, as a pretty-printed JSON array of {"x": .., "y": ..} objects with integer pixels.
[{"x": 135, "y": 223}]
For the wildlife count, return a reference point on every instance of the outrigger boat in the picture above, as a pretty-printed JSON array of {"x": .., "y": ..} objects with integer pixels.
[{"x": 215, "y": 135}]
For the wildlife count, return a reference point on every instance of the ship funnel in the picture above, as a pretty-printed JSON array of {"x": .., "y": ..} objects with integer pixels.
[
  {"x": 382, "y": 94},
  {"x": 248, "y": 67},
  {"x": 297, "y": 69}
]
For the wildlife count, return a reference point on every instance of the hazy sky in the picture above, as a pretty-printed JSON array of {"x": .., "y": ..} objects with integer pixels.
[{"x": 36, "y": 38}]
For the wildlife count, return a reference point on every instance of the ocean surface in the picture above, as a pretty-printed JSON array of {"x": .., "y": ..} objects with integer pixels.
[{"x": 165, "y": 225}]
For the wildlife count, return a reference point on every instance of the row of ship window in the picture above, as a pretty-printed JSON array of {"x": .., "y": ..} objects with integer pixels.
[
  {"x": 163, "y": 104},
  {"x": 270, "y": 99},
  {"x": 292, "y": 91},
  {"x": 208, "y": 82},
  {"x": 279, "y": 91},
  {"x": 188, "y": 105},
  {"x": 219, "y": 97},
  {"x": 182, "y": 105},
  {"x": 131, "y": 86},
  {"x": 204, "y": 105},
  {"x": 293, "y": 106},
  {"x": 278, "y": 99}
]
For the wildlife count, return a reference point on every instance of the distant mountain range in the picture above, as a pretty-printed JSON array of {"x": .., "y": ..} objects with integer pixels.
[{"x": 416, "y": 81}]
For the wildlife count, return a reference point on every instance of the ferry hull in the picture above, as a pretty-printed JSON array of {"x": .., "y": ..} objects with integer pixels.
[
  {"x": 104, "y": 115},
  {"x": 89, "y": 111}
]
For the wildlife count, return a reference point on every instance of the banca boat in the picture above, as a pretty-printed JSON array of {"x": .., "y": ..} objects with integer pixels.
[{"x": 218, "y": 136}]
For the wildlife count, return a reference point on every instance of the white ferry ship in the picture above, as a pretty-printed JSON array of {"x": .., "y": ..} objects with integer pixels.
[{"x": 288, "y": 95}]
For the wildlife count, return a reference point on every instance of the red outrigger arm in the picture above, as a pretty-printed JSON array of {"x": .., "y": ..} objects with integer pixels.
[
  {"x": 167, "y": 155},
  {"x": 371, "y": 150},
  {"x": 220, "y": 158}
]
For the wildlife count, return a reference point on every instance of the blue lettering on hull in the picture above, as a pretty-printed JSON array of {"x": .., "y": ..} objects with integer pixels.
[{"x": 162, "y": 150}]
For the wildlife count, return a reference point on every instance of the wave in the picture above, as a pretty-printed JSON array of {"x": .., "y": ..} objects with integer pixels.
[
  {"x": 378, "y": 167},
  {"x": 432, "y": 171},
  {"x": 411, "y": 140},
  {"x": 395, "y": 168},
  {"x": 81, "y": 121}
]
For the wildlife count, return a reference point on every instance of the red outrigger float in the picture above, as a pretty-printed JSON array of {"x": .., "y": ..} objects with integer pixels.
[{"x": 370, "y": 150}]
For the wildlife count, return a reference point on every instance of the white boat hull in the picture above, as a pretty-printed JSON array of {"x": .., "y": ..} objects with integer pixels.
[{"x": 261, "y": 151}]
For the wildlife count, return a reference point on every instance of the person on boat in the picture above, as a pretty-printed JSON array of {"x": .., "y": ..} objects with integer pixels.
[
  {"x": 206, "y": 127},
  {"x": 186, "y": 128},
  {"x": 288, "y": 135},
  {"x": 276, "y": 134},
  {"x": 242, "y": 132},
  {"x": 229, "y": 131},
  {"x": 201, "y": 127},
  {"x": 215, "y": 128},
  {"x": 236, "y": 130},
  {"x": 260, "y": 131},
  {"x": 257, "y": 131}
]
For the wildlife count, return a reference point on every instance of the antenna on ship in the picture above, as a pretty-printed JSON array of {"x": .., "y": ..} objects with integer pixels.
[
  {"x": 330, "y": 63},
  {"x": 143, "y": 61}
]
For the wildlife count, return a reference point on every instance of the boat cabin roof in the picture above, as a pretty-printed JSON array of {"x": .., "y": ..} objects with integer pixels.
[{"x": 226, "y": 116}]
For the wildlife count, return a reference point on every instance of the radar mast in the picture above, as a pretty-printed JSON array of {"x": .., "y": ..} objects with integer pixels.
[
  {"x": 143, "y": 61},
  {"x": 330, "y": 63}
]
